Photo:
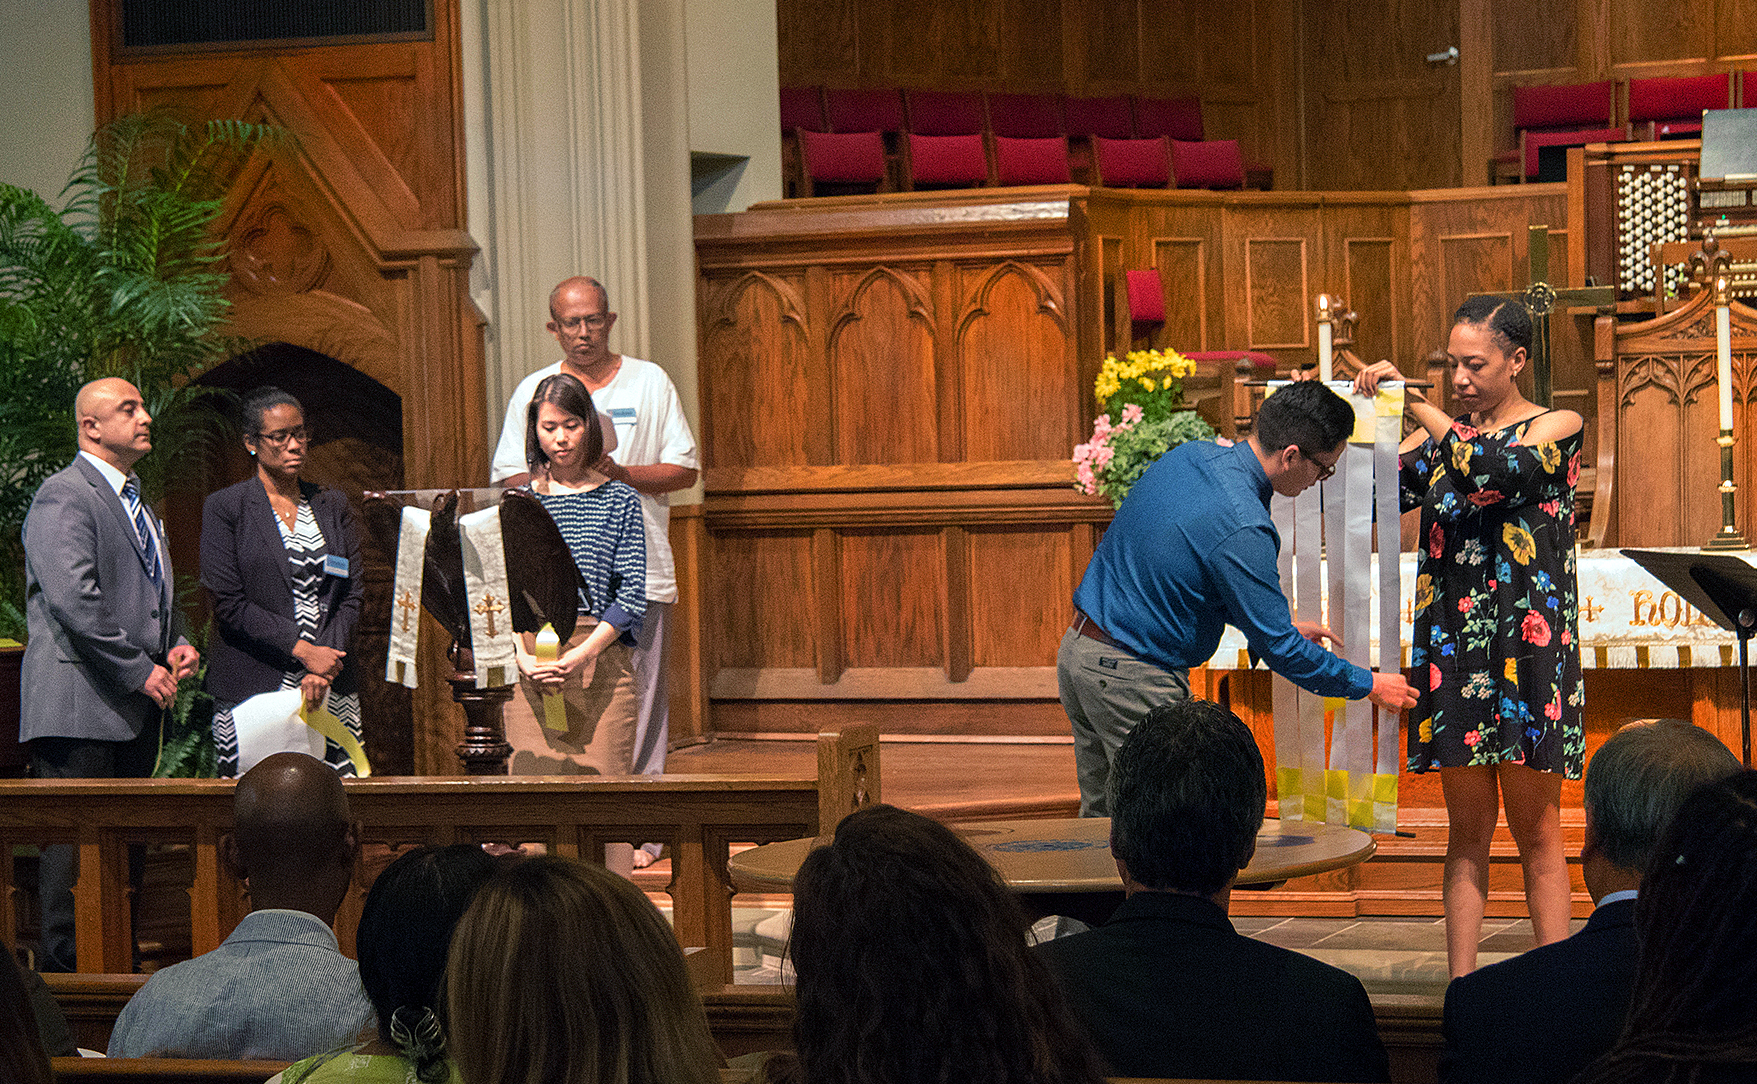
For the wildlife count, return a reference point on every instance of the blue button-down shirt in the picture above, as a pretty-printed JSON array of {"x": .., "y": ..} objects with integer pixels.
[
  {"x": 1191, "y": 551},
  {"x": 278, "y": 989}
]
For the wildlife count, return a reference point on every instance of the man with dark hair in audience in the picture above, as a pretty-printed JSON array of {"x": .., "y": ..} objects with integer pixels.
[
  {"x": 1167, "y": 988},
  {"x": 1634, "y": 785},
  {"x": 279, "y": 987},
  {"x": 1191, "y": 550}
]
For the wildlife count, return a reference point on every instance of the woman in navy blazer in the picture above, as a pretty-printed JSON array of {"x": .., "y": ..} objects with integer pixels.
[{"x": 281, "y": 559}]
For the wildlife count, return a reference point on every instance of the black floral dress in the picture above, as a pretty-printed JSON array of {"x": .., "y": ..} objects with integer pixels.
[{"x": 1496, "y": 644}]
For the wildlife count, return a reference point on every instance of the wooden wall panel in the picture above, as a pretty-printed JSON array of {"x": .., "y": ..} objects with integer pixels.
[
  {"x": 893, "y": 598},
  {"x": 1013, "y": 357},
  {"x": 881, "y": 355},
  {"x": 765, "y": 598},
  {"x": 1643, "y": 32},
  {"x": 754, "y": 350},
  {"x": 1183, "y": 273},
  {"x": 1014, "y": 627},
  {"x": 1277, "y": 281},
  {"x": 1534, "y": 36}
]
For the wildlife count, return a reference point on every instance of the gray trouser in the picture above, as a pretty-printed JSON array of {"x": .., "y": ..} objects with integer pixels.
[{"x": 1106, "y": 691}]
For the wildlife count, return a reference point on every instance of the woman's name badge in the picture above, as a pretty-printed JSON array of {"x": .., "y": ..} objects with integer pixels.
[{"x": 334, "y": 565}]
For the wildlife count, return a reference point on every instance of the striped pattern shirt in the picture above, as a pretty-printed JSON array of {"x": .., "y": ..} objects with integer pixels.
[{"x": 602, "y": 527}]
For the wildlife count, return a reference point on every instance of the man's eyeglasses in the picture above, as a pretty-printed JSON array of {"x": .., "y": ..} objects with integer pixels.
[
  {"x": 1324, "y": 472},
  {"x": 594, "y": 322},
  {"x": 280, "y": 438}
]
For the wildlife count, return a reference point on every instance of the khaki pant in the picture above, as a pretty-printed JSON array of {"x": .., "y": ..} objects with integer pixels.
[{"x": 602, "y": 709}]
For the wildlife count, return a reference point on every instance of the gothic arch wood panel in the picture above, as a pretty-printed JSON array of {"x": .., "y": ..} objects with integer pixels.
[
  {"x": 881, "y": 356},
  {"x": 759, "y": 385},
  {"x": 1015, "y": 360}
]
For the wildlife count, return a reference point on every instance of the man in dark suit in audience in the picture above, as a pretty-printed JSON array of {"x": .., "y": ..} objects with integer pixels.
[
  {"x": 1634, "y": 785},
  {"x": 1167, "y": 988}
]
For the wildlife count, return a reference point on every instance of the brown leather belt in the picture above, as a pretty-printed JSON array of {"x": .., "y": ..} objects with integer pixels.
[{"x": 1088, "y": 628}]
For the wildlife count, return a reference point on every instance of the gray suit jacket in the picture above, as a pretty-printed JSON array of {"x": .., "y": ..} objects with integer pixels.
[{"x": 97, "y": 622}]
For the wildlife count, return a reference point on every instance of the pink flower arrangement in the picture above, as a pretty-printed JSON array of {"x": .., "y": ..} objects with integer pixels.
[{"x": 1096, "y": 454}]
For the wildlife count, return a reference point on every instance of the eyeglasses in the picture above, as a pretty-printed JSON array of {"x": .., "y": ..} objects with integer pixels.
[
  {"x": 280, "y": 438},
  {"x": 1324, "y": 472},
  {"x": 594, "y": 322}
]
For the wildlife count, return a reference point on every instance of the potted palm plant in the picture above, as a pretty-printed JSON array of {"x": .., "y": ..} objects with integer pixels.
[{"x": 123, "y": 279}]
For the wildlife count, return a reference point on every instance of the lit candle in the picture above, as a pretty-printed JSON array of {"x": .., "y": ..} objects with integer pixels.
[
  {"x": 1723, "y": 334},
  {"x": 1326, "y": 348}
]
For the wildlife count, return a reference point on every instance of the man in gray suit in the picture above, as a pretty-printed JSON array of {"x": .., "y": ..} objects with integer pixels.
[{"x": 106, "y": 647}]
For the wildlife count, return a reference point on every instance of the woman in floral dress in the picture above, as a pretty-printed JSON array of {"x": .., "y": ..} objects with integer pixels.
[{"x": 1495, "y": 651}]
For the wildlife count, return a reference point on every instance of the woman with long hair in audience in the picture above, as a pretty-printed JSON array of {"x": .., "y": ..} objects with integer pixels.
[
  {"x": 404, "y": 934},
  {"x": 913, "y": 968},
  {"x": 564, "y": 973},
  {"x": 1693, "y": 1016}
]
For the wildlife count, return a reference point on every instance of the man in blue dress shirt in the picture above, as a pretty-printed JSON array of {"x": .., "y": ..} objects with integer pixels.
[{"x": 1191, "y": 550}]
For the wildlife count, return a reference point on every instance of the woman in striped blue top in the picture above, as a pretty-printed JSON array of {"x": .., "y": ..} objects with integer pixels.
[{"x": 601, "y": 523}]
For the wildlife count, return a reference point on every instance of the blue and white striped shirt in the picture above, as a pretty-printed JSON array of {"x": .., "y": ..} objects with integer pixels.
[{"x": 603, "y": 528}]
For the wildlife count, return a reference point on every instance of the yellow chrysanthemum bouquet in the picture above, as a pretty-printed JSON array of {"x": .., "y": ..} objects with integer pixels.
[{"x": 1144, "y": 393}]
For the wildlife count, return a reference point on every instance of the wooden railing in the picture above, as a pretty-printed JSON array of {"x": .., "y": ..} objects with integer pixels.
[{"x": 698, "y": 817}]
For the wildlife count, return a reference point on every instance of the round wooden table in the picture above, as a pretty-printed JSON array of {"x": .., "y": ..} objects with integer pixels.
[{"x": 1063, "y": 866}]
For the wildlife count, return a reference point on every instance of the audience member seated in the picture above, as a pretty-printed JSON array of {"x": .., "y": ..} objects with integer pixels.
[
  {"x": 1167, "y": 988},
  {"x": 561, "y": 972},
  {"x": 912, "y": 967},
  {"x": 278, "y": 988},
  {"x": 24, "y": 1058},
  {"x": 405, "y": 932},
  {"x": 51, "y": 1022},
  {"x": 1690, "y": 1017},
  {"x": 1634, "y": 785}
]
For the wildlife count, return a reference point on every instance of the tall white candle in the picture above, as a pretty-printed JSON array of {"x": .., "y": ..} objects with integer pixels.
[
  {"x": 1723, "y": 334},
  {"x": 1326, "y": 351}
]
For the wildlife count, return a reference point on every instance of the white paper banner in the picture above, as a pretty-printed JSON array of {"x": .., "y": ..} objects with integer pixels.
[
  {"x": 405, "y": 611},
  {"x": 487, "y": 597}
]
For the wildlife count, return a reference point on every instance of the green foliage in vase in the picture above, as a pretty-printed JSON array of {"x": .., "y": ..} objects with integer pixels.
[{"x": 1138, "y": 446}]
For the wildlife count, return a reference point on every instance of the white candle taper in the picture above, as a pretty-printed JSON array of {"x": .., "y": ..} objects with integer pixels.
[
  {"x": 1326, "y": 341},
  {"x": 1723, "y": 334}
]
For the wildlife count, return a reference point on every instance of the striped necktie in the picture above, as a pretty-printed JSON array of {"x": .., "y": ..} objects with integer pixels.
[{"x": 143, "y": 532}]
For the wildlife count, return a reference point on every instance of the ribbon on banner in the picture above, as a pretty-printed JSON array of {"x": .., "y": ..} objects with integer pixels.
[
  {"x": 405, "y": 593},
  {"x": 1345, "y": 784},
  {"x": 486, "y": 597},
  {"x": 1387, "y": 436},
  {"x": 325, "y": 722}
]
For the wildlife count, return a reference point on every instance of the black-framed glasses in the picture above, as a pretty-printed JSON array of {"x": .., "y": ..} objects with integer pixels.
[
  {"x": 280, "y": 438},
  {"x": 1324, "y": 472},
  {"x": 594, "y": 322}
]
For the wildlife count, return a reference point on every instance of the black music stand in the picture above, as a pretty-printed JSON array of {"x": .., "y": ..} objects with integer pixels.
[{"x": 1723, "y": 587}]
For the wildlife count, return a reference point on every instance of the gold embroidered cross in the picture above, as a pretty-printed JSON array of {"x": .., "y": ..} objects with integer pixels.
[
  {"x": 488, "y": 607},
  {"x": 1590, "y": 611},
  {"x": 406, "y": 604}
]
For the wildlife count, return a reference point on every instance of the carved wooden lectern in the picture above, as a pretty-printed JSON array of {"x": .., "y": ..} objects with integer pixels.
[{"x": 541, "y": 578}]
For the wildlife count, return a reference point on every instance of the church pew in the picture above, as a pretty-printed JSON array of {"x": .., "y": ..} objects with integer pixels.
[
  {"x": 189, "y": 1071},
  {"x": 698, "y": 817},
  {"x": 745, "y": 1019}
]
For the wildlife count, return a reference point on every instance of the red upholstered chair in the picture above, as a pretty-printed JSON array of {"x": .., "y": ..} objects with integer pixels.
[
  {"x": 1587, "y": 108},
  {"x": 803, "y": 107},
  {"x": 1024, "y": 116},
  {"x": 1174, "y": 118},
  {"x": 1146, "y": 300},
  {"x": 1532, "y": 142},
  {"x": 1672, "y": 108},
  {"x": 954, "y": 161},
  {"x": 1031, "y": 161},
  {"x": 1214, "y": 163},
  {"x": 1747, "y": 90},
  {"x": 944, "y": 112},
  {"x": 872, "y": 110},
  {"x": 1107, "y": 117},
  {"x": 846, "y": 160},
  {"x": 1132, "y": 163}
]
